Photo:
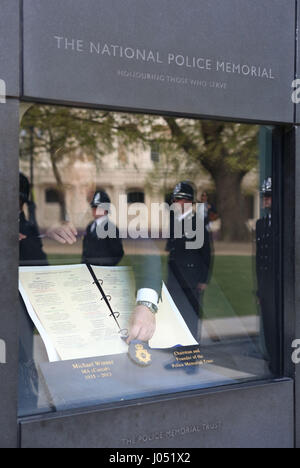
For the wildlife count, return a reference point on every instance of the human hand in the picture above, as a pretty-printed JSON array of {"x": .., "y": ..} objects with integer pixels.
[
  {"x": 202, "y": 286},
  {"x": 143, "y": 324},
  {"x": 64, "y": 233},
  {"x": 22, "y": 237}
]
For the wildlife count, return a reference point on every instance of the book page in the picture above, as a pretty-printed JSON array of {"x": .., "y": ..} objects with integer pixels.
[
  {"x": 75, "y": 322},
  {"x": 70, "y": 312},
  {"x": 171, "y": 329},
  {"x": 119, "y": 286}
]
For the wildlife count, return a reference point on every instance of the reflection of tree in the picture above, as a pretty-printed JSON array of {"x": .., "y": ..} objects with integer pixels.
[
  {"x": 173, "y": 165},
  {"x": 58, "y": 132},
  {"x": 226, "y": 151}
]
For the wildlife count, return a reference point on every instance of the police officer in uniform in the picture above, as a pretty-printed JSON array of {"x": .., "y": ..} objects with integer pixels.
[
  {"x": 99, "y": 246},
  {"x": 188, "y": 270},
  {"x": 30, "y": 244},
  {"x": 30, "y": 254},
  {"x": 265, "y": 270}
]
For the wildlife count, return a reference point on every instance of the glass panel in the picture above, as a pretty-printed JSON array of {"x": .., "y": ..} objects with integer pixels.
[{"x": 142, "y": 276}]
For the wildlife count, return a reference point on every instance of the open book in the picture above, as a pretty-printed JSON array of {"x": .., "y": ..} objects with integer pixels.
[{"x": 79, "y": 310}]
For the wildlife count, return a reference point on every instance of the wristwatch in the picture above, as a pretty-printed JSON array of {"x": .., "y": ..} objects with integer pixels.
[{"x": 149, "y": 305}]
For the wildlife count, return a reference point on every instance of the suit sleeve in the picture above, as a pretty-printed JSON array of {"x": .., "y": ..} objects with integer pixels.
[
  {"x": 116, "y": 249},
  {"x": 148, "y": 269}
]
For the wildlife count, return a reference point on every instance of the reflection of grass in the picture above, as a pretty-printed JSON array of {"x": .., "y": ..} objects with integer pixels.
[
  {"x": 231, "y": 290},
  {"x": 60, "y": 259}
]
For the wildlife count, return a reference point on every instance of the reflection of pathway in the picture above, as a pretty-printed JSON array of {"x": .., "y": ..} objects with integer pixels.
[
  {"x": 143, "y": 246},
  {"x": 233, "y": 327},
  {"x": 235, "y": 249}
]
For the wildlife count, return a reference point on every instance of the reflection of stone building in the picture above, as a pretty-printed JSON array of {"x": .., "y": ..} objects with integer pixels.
[{"x": 125, "y": 173}]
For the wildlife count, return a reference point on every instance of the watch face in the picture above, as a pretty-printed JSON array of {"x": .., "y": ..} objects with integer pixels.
[{"x": 150, "y": 306}]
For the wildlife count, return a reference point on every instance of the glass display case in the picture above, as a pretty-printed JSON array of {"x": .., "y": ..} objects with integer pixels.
[{"x": 125, "y": 297}]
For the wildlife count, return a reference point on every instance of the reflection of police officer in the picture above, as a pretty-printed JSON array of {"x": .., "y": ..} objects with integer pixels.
[
  {"x": 30, "y": 245},
  {"x": 265, "y": 270},
  {"x": 188, "y": 269},
  {"x": 100, "y": 247},
  {"x": 31, "y": 254}
]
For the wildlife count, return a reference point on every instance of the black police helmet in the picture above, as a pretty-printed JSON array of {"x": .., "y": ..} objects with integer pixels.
[
  {"x": 99, "y": 199},
  {"x": 24, "y": 188},
  {"x": 184, "y": 191},
  {"x": 266, "y": 188}
]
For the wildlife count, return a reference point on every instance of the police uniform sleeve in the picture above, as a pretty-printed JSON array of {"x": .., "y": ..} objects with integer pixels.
[
  {"x": 31, "y": 249},
  {"x": 85, "y": 245},
  {"x": 205, "y": 259}
]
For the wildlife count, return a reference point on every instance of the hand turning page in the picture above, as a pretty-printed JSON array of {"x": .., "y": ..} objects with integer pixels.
[{"x": 74, "y": 320}]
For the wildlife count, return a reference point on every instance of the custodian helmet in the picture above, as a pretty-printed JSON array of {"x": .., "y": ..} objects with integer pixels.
[
  {"x": 100, "y": 198},
  {"x": 184, "y": 191},
  {"x": 266, "y": 188}
]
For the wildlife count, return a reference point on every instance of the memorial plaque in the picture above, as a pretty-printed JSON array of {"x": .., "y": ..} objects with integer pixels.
[
  {"x": 223, "y": 58},
  {"x": 110, "y": 379}
]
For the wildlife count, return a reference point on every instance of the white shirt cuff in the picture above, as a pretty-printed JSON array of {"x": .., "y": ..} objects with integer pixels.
[{"x": 147, "y": 295}]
